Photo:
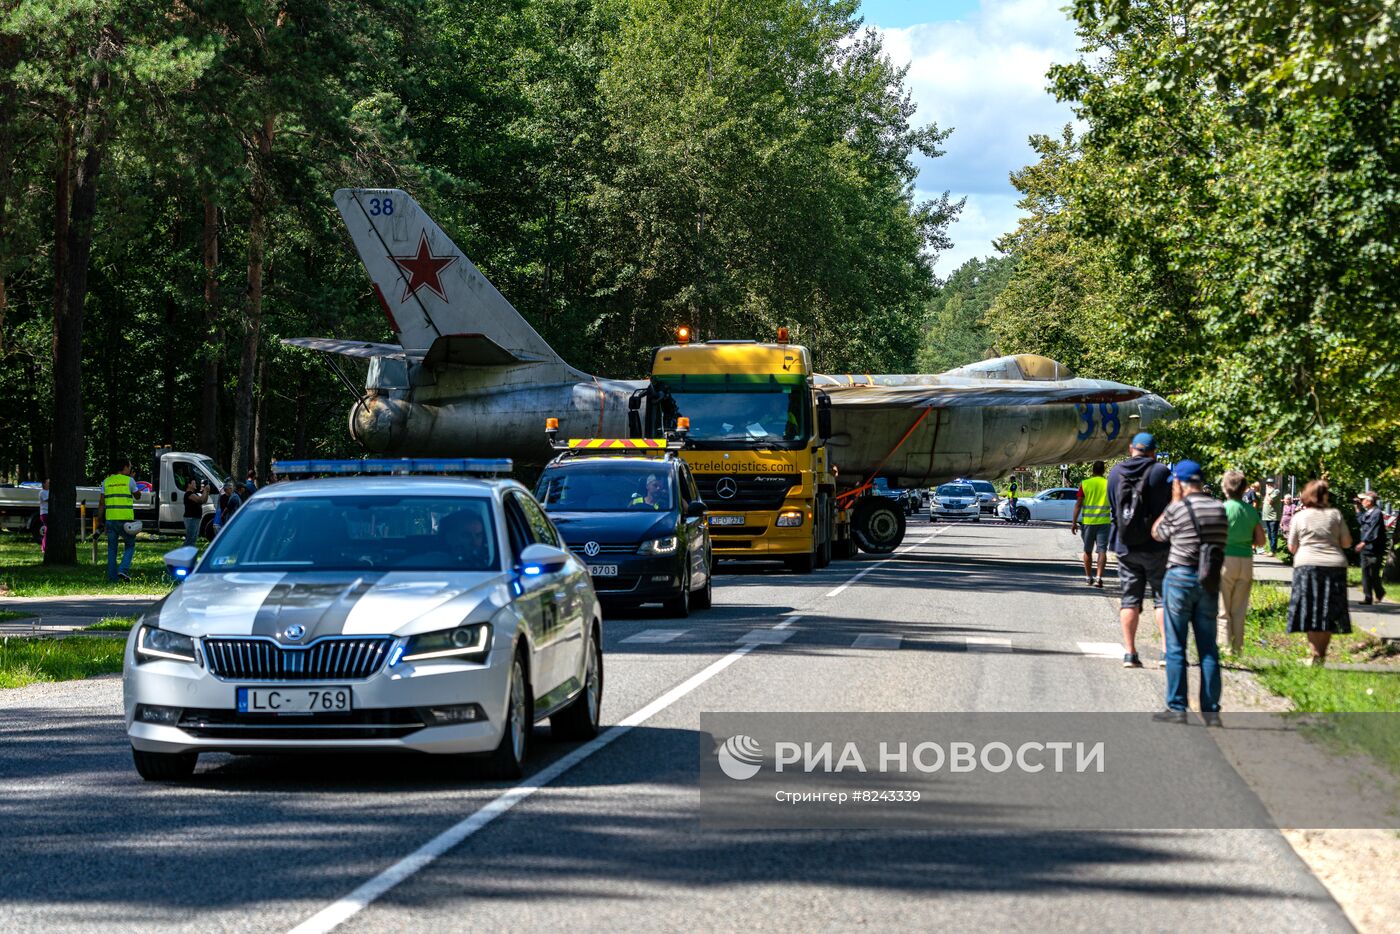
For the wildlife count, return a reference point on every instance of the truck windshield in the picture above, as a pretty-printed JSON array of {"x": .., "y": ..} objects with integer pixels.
[
  {"x": 605, "y": 487},
  {"x": 357, "y": 533},
  {"x": 768, "y": 411},
  {"x": 214, "y": 470}
]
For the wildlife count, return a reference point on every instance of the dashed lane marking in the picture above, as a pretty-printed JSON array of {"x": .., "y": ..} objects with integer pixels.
[
  {"x": 656, "y": 635},
  {"x": 767, "y": 636},
  {"x": 877, "y": 640},
  {"x": 1101, "y": 649},
  {"x": 879, "y": 564},
  {"x": 988, "y": 644}
]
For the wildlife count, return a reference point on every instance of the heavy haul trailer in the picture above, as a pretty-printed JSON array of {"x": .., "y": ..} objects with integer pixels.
[{"x": 756, "y": 443}]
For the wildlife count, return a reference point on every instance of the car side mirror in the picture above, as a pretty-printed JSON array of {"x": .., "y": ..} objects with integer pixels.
[
  {"x": 696, "y": 509},
  {"x": 181, "y": 561},
  {"x": 823, "y": 416},
  {"x": 540, "y": 559}
]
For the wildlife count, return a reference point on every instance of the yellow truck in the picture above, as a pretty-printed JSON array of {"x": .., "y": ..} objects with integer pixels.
[{"x": 755, "y": 443}]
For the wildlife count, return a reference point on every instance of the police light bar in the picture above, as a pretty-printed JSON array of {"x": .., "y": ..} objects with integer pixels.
[{"x": 395, "y": 466}]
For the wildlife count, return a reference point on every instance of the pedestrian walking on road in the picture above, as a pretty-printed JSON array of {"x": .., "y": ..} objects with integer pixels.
[
  {"x": 1318, "y": 539},
  {"x": 1139, "y": 491},
  {"x": 44, "y": 517},
  {"x": 195, "y": 498},
  {"x": 1092, "y": 520},
  {"x": 1237, "y": 574},
  {"x": 1371, "y": 548},
  {"x": 1271, "y": 512},
  {"x": 1011, "y": 490},
  {"x": 1196, "y": 527},
  {"x": 117, "y": 506}
]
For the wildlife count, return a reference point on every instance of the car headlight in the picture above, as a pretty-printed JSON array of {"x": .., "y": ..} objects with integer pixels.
[
  {"x": 153, "y": 643},
  {"x": 659, "y": 546},
  {"x": 470, "y": 642},
  {"x": 789, "y": 519}
]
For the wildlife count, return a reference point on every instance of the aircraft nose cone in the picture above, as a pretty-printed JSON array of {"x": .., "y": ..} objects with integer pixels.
[{"x": 1153, "y": 408}]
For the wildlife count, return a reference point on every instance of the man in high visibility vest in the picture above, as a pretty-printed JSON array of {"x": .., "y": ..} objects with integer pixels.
[
  {"x": 1091, "y": 521},
  {"x": 117, "y": 507}
]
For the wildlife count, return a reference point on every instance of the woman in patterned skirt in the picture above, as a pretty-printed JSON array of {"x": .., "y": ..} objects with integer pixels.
[{"x": 1318, "y": 539}]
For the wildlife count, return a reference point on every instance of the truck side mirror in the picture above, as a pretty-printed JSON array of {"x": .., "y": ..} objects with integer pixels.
[
  {"x": 634, "y": 413},
  {"x": 823, "y": 416}
]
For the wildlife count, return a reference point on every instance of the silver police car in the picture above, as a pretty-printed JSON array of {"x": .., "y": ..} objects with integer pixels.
[{"x": 437, "y": 614}]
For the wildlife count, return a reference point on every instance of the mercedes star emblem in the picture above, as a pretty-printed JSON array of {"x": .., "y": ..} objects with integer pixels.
[
  {"x": 592, "y": 549},
  {"x": 726, "y": 487}
]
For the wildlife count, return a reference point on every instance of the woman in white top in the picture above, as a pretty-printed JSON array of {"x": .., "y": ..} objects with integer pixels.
[{"x": 1318, "y": 539}]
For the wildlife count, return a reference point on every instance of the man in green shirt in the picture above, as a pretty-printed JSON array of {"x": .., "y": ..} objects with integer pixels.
[{"x": 1237, "y": 575}]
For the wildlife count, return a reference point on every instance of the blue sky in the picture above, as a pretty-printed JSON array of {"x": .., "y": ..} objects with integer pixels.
[{"x": 978, "y": 66}]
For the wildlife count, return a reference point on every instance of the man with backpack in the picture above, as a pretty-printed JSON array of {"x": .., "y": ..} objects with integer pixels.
[
  {"x": 1196, "y": 528},
  {"x": 1139, "y": 491}
]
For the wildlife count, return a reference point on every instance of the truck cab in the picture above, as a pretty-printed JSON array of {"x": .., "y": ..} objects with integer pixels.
[
  {"x": 162, "y": 509},
  {"x": 755, "y": 443}
]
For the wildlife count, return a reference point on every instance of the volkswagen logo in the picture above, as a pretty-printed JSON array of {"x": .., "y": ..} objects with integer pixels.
[
  {"x": 726, "y": 488},
  {"x": 295, "y": 632},
  {"x": 592, "y": 549}
]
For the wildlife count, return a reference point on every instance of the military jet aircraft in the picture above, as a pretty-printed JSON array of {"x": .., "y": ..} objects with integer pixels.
[{"x": 469, "y": 375}]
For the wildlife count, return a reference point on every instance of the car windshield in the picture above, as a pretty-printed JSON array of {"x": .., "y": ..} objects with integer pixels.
[
  {"x": 955, "y": 490},
  {"x": 761, "y": 412},
  {"x": 982, "y": 486},
  {"x": 606, "y": 487},
  {"x": 357, "y": 533}
]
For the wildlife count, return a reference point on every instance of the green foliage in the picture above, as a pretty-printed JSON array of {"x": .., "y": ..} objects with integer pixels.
[
  {"x": 112, "y": 624},
  {"x": 1224, "y": 230},
  {"x": 957, "y": 331}
]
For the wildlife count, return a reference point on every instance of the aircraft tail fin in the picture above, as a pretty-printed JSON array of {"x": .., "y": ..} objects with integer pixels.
[{"x": 439, "y": 305}]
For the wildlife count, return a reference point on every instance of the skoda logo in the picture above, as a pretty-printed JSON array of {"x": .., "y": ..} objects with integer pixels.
[
  {"x": 726, "y": 487},
  {"x": 295, "y": 632},
  {"x": 592, "y": 549}
]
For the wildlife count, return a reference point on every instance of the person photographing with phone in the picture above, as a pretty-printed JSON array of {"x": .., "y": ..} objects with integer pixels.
[
  {"x": 1196, "y": 528},
  {"x": 196, "y": 495}
]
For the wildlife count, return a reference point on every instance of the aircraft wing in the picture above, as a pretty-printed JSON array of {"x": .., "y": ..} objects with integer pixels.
[
  {"x": 362, "y": 349},
  {"x": 1005, "y": 392}
]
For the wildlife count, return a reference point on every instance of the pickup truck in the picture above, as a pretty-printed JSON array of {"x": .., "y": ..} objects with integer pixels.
[{"x": 159, "y": 504}]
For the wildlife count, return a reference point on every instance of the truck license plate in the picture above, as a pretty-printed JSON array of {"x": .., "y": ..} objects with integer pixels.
[
  {"x": 726, "y": 520},
  {"x": 603, "y": 570},
  {"x": 294, "y": 700}
]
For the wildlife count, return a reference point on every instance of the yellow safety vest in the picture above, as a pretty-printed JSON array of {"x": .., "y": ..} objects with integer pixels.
[
  {"x": 116, "y": 498},
  {"x": 1094, "y": 510}
]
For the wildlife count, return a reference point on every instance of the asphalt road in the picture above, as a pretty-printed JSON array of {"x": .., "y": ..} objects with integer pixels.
[{"x": 967, "y": 618}]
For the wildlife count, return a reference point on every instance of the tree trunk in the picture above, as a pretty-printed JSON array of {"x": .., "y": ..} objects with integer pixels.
[
  {"x": 260, "y": 452},
  {"x": 71, "y": 288},
  {"x": 299, "y": 430},
  {"x": 212, "y": 346},
  {"x": 248, "y": 359}
]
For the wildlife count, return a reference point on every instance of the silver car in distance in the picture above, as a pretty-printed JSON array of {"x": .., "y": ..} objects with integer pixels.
[{"x": 436, "y": 614}]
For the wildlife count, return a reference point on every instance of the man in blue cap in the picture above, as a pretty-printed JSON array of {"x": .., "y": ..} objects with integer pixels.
[
  {"x": 1139, "y": 490},
  {"x": 1195, "y": 526}
]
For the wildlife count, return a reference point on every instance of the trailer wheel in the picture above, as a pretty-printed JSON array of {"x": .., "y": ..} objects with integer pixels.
[{"x": 877, "y": 525}]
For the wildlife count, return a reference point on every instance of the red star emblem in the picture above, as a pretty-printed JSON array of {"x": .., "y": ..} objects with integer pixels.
[{"x": 423, "y": 269}]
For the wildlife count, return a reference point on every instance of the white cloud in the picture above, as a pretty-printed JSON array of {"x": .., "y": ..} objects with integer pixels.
[{"x": 984, "y": 76}]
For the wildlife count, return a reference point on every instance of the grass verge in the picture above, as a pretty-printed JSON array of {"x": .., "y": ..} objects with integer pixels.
[
  {"x": 23, "y": 573},
  {"x": 26, "y": 661},
  {"x": 112, "y": 624}
]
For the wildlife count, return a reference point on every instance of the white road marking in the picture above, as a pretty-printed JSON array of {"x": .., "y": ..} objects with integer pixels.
[
  {"x": 988, "y": 644},
  {"x": 337, "y": 913},
  {"x": 772, "y": 636},
  {"x": 1101, "y": 649},
  {"x": 656, "y": 635},
  {"x": 787, "y": 622},
  {"x": 879, "y": 564},
  {"x": 877, "y": 640}
]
